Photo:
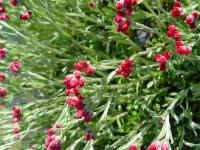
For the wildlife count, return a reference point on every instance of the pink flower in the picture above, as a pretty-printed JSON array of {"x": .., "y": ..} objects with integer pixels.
[
  {"x": 2, "y": 53},
  {"x": 89, "y": 70},
  {"x": 179, "y": 43},
  {"x": 88, "y": 116},
  {"x": 84, "y": 66},
  {"x": 164, "y": 147},
  {"x": 123, "y": 10},
  {"x": 126, "y": 68},
  {"x": 129, "y": 10},
  {"x": 192, "y": 26},
  {"x": 26, "y": 15},
  {"x": 48, "y": 140},
  {"x": 119, "y": 5},
  {"x": 4, "y": 17},
  {"x": 177, "y": 12},
  {"x": 14, "y": 66},
  {"x": 177, "y": 4},
  {"x": 189, "y": 19},
  {"x": 54, "y": 145},
  {"x": 80, "y": 114},
  {"x": 118, "y": 19},
  {"x": 73, "y": 102},
  {"x": 91, "y": 4},
  {"x": 195, "y": 14},
  {"x": 133, "y": 147},
  {"x": 16, "y": 130},
  {"x": 3, "y": 92},
  {"x": 153, "y": 146},
  {"x": 2, "y": 76},
  {"x": 162, "y": 59},
  {"x": 16, "y": 114},
  {"x": 87, "y": 136},
  {"x": 174, "y": 33},
  {"x": 58, "y": 125},
  {"x": 50, "y": 131},
  {"x": 2, "y": 9},
  {"x": 183, "y": 50},
  {"x": 167, "y": 55},
  {"x": 14, "y": 2}
]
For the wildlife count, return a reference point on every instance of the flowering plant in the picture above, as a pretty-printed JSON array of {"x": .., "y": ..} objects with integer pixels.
[{"x": 99, "y": 74}]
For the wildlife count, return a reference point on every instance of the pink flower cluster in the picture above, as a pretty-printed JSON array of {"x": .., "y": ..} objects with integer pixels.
[
  {"x": 73, "y": 84},
  {"x": 84, "y": 66},
  {"x": 126, "y": 68},
  {"x": 162, "y": 59},
  {"x": 191, "y": 19},
  {"x": 124, "y": 9},
  {"x": 174, "y": 33},
  {"x": 176, "y": 10},
  {"x": 89, "y": 136},
  {"x": 14, "y": 66},
  {"x": 52, "y": 142},
  {"x": 17, "y": 117},
  {"x": 156, "y": 146},
  {"x": 4, "y": 16}
]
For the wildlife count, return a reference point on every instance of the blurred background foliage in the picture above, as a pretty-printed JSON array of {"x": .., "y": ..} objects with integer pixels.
[{"x": 127, "y": 111}]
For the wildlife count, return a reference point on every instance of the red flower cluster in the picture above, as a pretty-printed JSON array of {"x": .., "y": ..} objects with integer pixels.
[
  {"x": 17, "y": 117},
  {"x": 126, "y": 68},
  {"x": 2, "y": 53},
  {"x": 183, "y": 50},
  {"x": 3, "y": 92},
  {"x": 190, "y": 19},
  {"x": 3, "y": 15},
  {"x": 174, "y": 33},
  {"x": 73, "y": 84},
  {"x": 2, "y": 76},
  {"x": 89, "y": 136},
  {"x": 176, "y": 10},
  {"x": 84, "y": 66},
  {"x": 14, "y": 66},
  {"x": 52, "y": 143},
  {"x": 14, "y": 2},
  {"x": 133, "y": 147},
  {"x": 162, "y": 59},
  {"x": 155, "y": 146},
  {"x": 16, "y": 114},
  {"x": 124, "y": 9},
  {"x": 26, "y": 15}
]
